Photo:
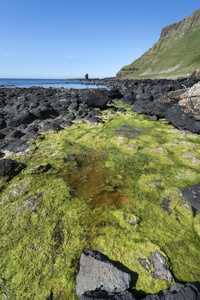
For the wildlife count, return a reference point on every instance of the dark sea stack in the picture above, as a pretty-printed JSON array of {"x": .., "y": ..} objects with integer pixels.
[{"x": 192, "y": 195}]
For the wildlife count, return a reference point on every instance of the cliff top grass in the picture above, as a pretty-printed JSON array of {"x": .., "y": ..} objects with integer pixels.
[{"x": 101, "y": 179}]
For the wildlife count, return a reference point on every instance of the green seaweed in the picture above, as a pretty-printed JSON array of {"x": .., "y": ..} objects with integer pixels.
[{"x": 103, "y": 192}]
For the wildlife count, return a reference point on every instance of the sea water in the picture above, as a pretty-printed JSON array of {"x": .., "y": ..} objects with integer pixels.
[{"x": 55, "y": 83}]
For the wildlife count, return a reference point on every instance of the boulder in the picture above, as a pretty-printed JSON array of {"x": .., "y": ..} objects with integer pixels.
[
  {"x": 9, "y": 167},
  {"x": 192, "y": 195},
  {"x": 98, "y": 273},
  {"x": 95, "y": 97}
]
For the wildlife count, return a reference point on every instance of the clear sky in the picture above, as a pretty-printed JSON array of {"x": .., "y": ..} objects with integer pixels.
[{"x": 69, "y": 38}]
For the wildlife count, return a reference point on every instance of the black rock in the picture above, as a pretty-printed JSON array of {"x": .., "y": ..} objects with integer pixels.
[
  {"x": 177, "y": 292},
  {"x": 2, "y": 136},
  {"x": 95, "y": 97},
  {"x": 9, "y": 167},
  {"x": 102, "y": 295},
  {"x": 15, "y": 134},
  {"x": 52, "y": 126},
  {"x": 192, "y": 195},
  {"x": 41, "y": 169}
]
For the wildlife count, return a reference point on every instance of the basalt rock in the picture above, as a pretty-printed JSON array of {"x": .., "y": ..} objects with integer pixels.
[
  {"x": 185, "y": 113},
  {"x": 98, "y": 273},
  {"x": 102, "y": 295},
  {"x": 9, "y": 167},
  {"x": 192, "y": 195},
  {"x": 177, "y": 292},
  {"x": 95, "y": 97}
]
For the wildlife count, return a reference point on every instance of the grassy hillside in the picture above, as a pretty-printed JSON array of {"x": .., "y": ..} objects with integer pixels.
[{"x": 171, "y": 56}]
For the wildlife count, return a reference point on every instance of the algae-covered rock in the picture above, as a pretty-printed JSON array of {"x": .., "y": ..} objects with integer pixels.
[{"x": 158, "y": 262}]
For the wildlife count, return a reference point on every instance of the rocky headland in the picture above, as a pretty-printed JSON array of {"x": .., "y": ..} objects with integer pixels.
[{"x": 165, "y": 59}]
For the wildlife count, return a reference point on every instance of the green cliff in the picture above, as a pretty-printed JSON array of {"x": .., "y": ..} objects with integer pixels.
[{"x": 175, "y": 54}]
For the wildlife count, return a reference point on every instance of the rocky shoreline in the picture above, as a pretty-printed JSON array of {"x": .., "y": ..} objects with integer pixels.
[{"x": 25, "y": 113}]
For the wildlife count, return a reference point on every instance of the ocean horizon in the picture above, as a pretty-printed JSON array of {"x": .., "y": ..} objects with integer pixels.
[{"x": 46, "y": 83}]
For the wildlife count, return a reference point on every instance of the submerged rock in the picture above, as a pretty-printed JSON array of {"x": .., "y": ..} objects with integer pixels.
[{"x": 98, "y": 273}]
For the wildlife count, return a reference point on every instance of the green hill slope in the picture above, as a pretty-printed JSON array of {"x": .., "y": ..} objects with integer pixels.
[{"x": 176, "y": 53}]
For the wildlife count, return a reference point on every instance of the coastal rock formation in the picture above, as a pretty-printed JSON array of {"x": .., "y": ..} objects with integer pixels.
[
  {"x": 98, "y": 273},
  {"x": 176, "y": 100},
  {"x": 25, "y": 113},
  {"x": 185, "y": 113}
]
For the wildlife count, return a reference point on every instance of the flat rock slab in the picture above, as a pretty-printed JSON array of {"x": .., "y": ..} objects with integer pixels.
[
  {"x": 192, "y": 195},
  {"x": 98, "y": 273}
]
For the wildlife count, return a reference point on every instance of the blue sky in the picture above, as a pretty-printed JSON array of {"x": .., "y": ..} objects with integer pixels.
[{"x": 68, "y": 38}]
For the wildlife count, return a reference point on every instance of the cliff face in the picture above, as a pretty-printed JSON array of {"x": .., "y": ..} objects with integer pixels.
[
  {"x": 182, "y": 26},
  {"x": 176, "y": 53}
]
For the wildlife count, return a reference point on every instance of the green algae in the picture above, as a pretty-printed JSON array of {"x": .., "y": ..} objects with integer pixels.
[{"x": 104, "y": 192}]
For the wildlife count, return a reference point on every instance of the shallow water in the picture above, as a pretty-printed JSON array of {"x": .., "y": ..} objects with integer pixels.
[{"x": 91, "y": 181}]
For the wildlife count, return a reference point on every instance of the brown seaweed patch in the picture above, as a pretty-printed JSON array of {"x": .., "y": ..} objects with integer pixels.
[{"x": 91, "y": 181}]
